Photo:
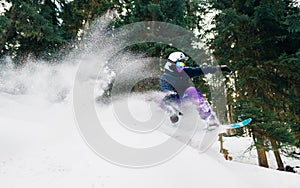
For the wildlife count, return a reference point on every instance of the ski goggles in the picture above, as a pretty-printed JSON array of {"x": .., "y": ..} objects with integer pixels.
[{"x": 181, "y": 62}]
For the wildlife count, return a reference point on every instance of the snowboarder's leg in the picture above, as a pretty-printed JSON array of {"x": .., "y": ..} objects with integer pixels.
[
  {"x": 171, "y": 104},
  {"x": 193, "y": 94},
  {"x": 203, "y": 107}
]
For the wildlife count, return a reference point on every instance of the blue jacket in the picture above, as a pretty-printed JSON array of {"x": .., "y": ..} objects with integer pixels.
[{"x": 178, "y": 82}]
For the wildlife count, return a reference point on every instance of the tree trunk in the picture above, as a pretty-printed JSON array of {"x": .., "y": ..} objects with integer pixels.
[
  {"x": 261, "y": 152},
  {"x": 262, "y": 157},
  {"x": 277, "y": 155}
]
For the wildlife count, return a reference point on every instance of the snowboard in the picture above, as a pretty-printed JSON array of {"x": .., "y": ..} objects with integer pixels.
[
  {"x": 236, "y": 125},
  {"x": 176, "y": 114},
  {"x": 239, "y": 124},
  {"x": 205, "y": 136},
  {"x": 211, "y": 134}
]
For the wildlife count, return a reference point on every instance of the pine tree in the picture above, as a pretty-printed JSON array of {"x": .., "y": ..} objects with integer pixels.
[
  {"x": 252, "y": 36},
  {"x": 181, "y": 13},
  {"x": 77, "y": 15},
  {"x": 31, "y": 27}
]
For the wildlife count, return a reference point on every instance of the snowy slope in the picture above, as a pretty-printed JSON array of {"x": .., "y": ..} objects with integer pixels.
[{"x": 42, "y": 147}]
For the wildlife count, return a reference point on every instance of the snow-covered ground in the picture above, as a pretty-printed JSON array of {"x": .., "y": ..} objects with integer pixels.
[
  {"x": 239, "y": 150},
  {"x": 41, "y": 147}
]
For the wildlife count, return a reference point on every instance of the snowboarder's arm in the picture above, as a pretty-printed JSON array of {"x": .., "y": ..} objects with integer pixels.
[{"x": 197, "y": 71}]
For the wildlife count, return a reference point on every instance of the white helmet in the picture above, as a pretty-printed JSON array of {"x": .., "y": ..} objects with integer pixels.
[{"x": 177, "y": 56}]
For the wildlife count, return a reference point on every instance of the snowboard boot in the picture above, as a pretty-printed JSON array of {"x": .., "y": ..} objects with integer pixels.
[{"x": 174, "y": 118}]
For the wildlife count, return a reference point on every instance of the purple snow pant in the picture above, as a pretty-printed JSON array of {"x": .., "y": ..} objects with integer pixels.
[{"x": 193, "y": 94}]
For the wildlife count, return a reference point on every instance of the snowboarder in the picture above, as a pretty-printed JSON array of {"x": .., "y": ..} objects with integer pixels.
[{"x": 176, "y": 82}]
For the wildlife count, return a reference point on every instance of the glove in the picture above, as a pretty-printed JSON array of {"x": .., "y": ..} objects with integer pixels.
[{"x": 224, "y": 68}]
